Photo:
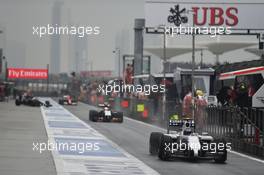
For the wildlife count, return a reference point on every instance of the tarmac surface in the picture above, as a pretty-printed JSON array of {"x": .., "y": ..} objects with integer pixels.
[
  {"x": 133, "y": 137},
  {"x": 79, "y": 149},
  {"x": 20, "y": 127}
]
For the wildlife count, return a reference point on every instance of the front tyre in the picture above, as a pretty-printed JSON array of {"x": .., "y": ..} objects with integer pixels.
[
  {"x": 164, "y": 152},
  {"x": 191, "y": 156}
]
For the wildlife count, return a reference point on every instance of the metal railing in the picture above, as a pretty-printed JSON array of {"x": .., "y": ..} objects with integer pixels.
[{"x": 242, "y": 127}]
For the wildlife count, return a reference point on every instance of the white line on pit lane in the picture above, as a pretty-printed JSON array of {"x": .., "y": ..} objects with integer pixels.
[
  {"x": 126, "y": 162},
  {"x": 233, "y": 152}
]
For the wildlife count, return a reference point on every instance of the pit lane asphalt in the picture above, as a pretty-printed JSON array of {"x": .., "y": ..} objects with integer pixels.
[
  {"x": 133, "y": 136},
  {"x": 20, "y": 127}
]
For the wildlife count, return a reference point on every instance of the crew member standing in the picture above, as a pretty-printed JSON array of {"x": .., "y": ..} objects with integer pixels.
[
  {"x": 187, "y": 105},
  {"x": 128, "y": 74},
  {"x": 200, "y": 113}
]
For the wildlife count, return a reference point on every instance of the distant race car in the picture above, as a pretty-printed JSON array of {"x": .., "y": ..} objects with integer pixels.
[
  {"x": 183, "y": 142},
  {"x": 105, "y": 115},
  {"x": 30, "y": 101},
  {"x": 68, "y": 100}
]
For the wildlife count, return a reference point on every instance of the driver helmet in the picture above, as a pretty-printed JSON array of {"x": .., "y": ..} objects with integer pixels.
[
  {"x": 106, "y": 104},
  {"x": 199, "y": 93}
]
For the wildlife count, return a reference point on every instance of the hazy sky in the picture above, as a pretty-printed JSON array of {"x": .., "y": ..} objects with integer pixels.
[{"x": 114, "y": 17}]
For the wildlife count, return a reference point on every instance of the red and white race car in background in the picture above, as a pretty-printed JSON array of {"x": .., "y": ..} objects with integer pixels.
[{"x": 68, "y": 100}]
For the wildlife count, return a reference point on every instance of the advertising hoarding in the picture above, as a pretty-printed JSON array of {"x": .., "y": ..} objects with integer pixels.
[
  {"x": 24, "y": 73},
  {"x": 234, "y": 15},
  {"x": 101, "y": 73}
]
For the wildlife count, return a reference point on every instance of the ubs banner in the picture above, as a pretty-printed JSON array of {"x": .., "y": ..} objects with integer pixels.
[
  {"x": 21, "y": 73},
  {"x": 234, "y": 15}
]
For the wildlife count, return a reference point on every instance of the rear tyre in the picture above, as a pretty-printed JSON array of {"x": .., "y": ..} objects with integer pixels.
[
  {"x": 35, "y": 102},
  {"x": 164, "y": 151},
  {"x": 60, "y": 101},
  {"x": 221, "y": 155},
  {"x": 154, "y": 142},
  {"x": 119, "y": 115},
  {"x": 221, "y": 158},
  {"x": 93, "y": 116},
  {"x": 18, "y": 102}
]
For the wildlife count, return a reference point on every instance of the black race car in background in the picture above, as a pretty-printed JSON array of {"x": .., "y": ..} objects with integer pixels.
[
  {"x": 29, "y": 100},
  {"x": 105, "y": 115},
  {"x": 183, "y": 142},
  {"x": 68, "y": 100}
]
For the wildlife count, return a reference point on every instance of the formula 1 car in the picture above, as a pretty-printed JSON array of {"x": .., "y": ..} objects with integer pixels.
[
  {"x": 30, "y": 101},
  {"x": 68, "y": 100},
  {"x": 181, "y": 141},
  {"x": 105, "y": 115}
]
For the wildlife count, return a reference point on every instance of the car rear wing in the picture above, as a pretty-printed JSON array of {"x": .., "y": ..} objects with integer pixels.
[{"x": 176, "y": 124}]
